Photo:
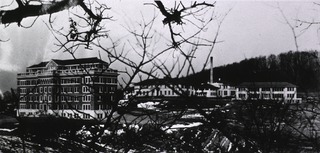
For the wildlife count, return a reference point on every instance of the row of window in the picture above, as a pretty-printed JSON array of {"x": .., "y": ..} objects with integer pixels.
[
  {"x": 68, "y": 98},
  {"x": 68, "y": 115},
  {"x": 48, "y": 98},
  {"x": 35, "y": 82},
  {"x": 226, "y": 93},
  {"x": 164, "y": 86},
  {"x": 87, "y": 80},
  {"x": 102, "y": 89},
  {"x": 85, "y": 66},
  {"x": 268, "y": 89},
  {"x": 35, "y": 90},
  {"x": 85, "y": 89},
  {"x": 156, "y": 93},
  {"x": 172, "y": 93},
  {"x": 71, "y": 81},
  {"x": 267, "y": 96},
  {"x": 70, "y": 89},
  {"x": 64, "y": 106},
  {"x": 40, "y": 98}
]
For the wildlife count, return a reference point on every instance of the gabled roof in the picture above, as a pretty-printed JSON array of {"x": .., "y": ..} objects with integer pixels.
[
  {"x": 70, "y": 62},
  {"x": 78, "y": 61},
  {"x": 42, "y": 64},
  {"x": 266, "y": 84}
]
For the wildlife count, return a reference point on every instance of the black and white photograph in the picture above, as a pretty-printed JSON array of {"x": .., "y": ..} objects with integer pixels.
[{"x": 159, "y": 76}]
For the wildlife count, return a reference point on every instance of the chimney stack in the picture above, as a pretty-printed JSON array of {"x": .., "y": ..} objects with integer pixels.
[{"x": 211, "y": 69}]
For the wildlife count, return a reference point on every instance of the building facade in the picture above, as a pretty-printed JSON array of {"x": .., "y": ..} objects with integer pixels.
[
  {"x": 75, "y": 88},
  {"x": 245, "y": 91},
  {"x": 175, "y": 88},
  {"x": 225, "y": 90},
  {"x": 267, "y": 91}
]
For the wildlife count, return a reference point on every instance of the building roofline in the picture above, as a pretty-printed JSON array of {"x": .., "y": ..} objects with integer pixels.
[
  {"x": 266, "y": 84},
  {"x": 69, "y": 62}
]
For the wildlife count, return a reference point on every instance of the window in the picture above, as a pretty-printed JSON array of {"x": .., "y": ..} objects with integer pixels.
[
  {"x": 86, "y": 116},
  {"x": 225, "y": 93},
  {"x": 49, "y": 89},
  {"x": 23, "y": 90},
  {"x": 266, "y": 96},
  {"x": 86, "y": 107},
  {"x": 76, "y": 99},
  {"x": 76, "y": 116},
  {"x": 41, "y": 90},
  {"x": 99, "y": 116},
  {"x": 76, "y": 107},
  {"x": 290, "y": 95},
  {"x": 85, "y": 89},
  {"x": 242, "y": 96},
  {"x": 100, "y": 107},
  {"x": 112, "y": 89},
  {"x": 290, "y": 89},
  {"x": 86, "y": 98},
  {"x": 23, "y": 106},
  {"x": 87, "y": 80},
  {"x": 76, "y": 90}
]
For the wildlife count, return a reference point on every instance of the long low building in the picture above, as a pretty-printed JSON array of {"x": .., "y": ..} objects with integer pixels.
[
  {"x": 74, "y": 88},
  {"x": 173, "y": 87},
  {"x": 267, "y": 91},
  {"x": 245, "y": 91}
]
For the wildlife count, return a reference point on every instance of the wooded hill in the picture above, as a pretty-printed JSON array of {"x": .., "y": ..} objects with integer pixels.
[{"x": 299, "y": 68}]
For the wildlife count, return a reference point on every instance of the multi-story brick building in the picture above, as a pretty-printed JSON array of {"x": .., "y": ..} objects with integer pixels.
[{"x": 75, "y": 88}]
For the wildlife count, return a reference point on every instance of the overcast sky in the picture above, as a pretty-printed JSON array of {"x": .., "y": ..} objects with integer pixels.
[{"x": 251, "y": 29}]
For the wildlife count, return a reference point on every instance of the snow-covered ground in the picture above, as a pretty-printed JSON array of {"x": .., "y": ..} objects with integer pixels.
[
  {"x": 149, "y": 105},
  {"x": 195, "y": 115}
]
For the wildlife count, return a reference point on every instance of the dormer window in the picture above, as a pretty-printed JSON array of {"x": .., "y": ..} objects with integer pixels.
[{"x": 52, "y": 65}]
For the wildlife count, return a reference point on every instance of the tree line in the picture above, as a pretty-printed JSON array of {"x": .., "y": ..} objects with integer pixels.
[{"x": 300, "y": 68}]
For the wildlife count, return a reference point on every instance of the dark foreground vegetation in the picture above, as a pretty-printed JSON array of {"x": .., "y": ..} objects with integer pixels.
[{"x": 240, "y": 126}]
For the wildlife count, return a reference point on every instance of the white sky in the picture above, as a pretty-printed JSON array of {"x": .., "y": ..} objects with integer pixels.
[{"x": 252, "y": 28}]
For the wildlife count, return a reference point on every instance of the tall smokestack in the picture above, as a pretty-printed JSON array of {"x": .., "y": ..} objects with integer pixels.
[{"x": 211, "y": 69}]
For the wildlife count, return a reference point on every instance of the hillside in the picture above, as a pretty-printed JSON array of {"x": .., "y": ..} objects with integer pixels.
[{"x": 300, "y": 68}]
